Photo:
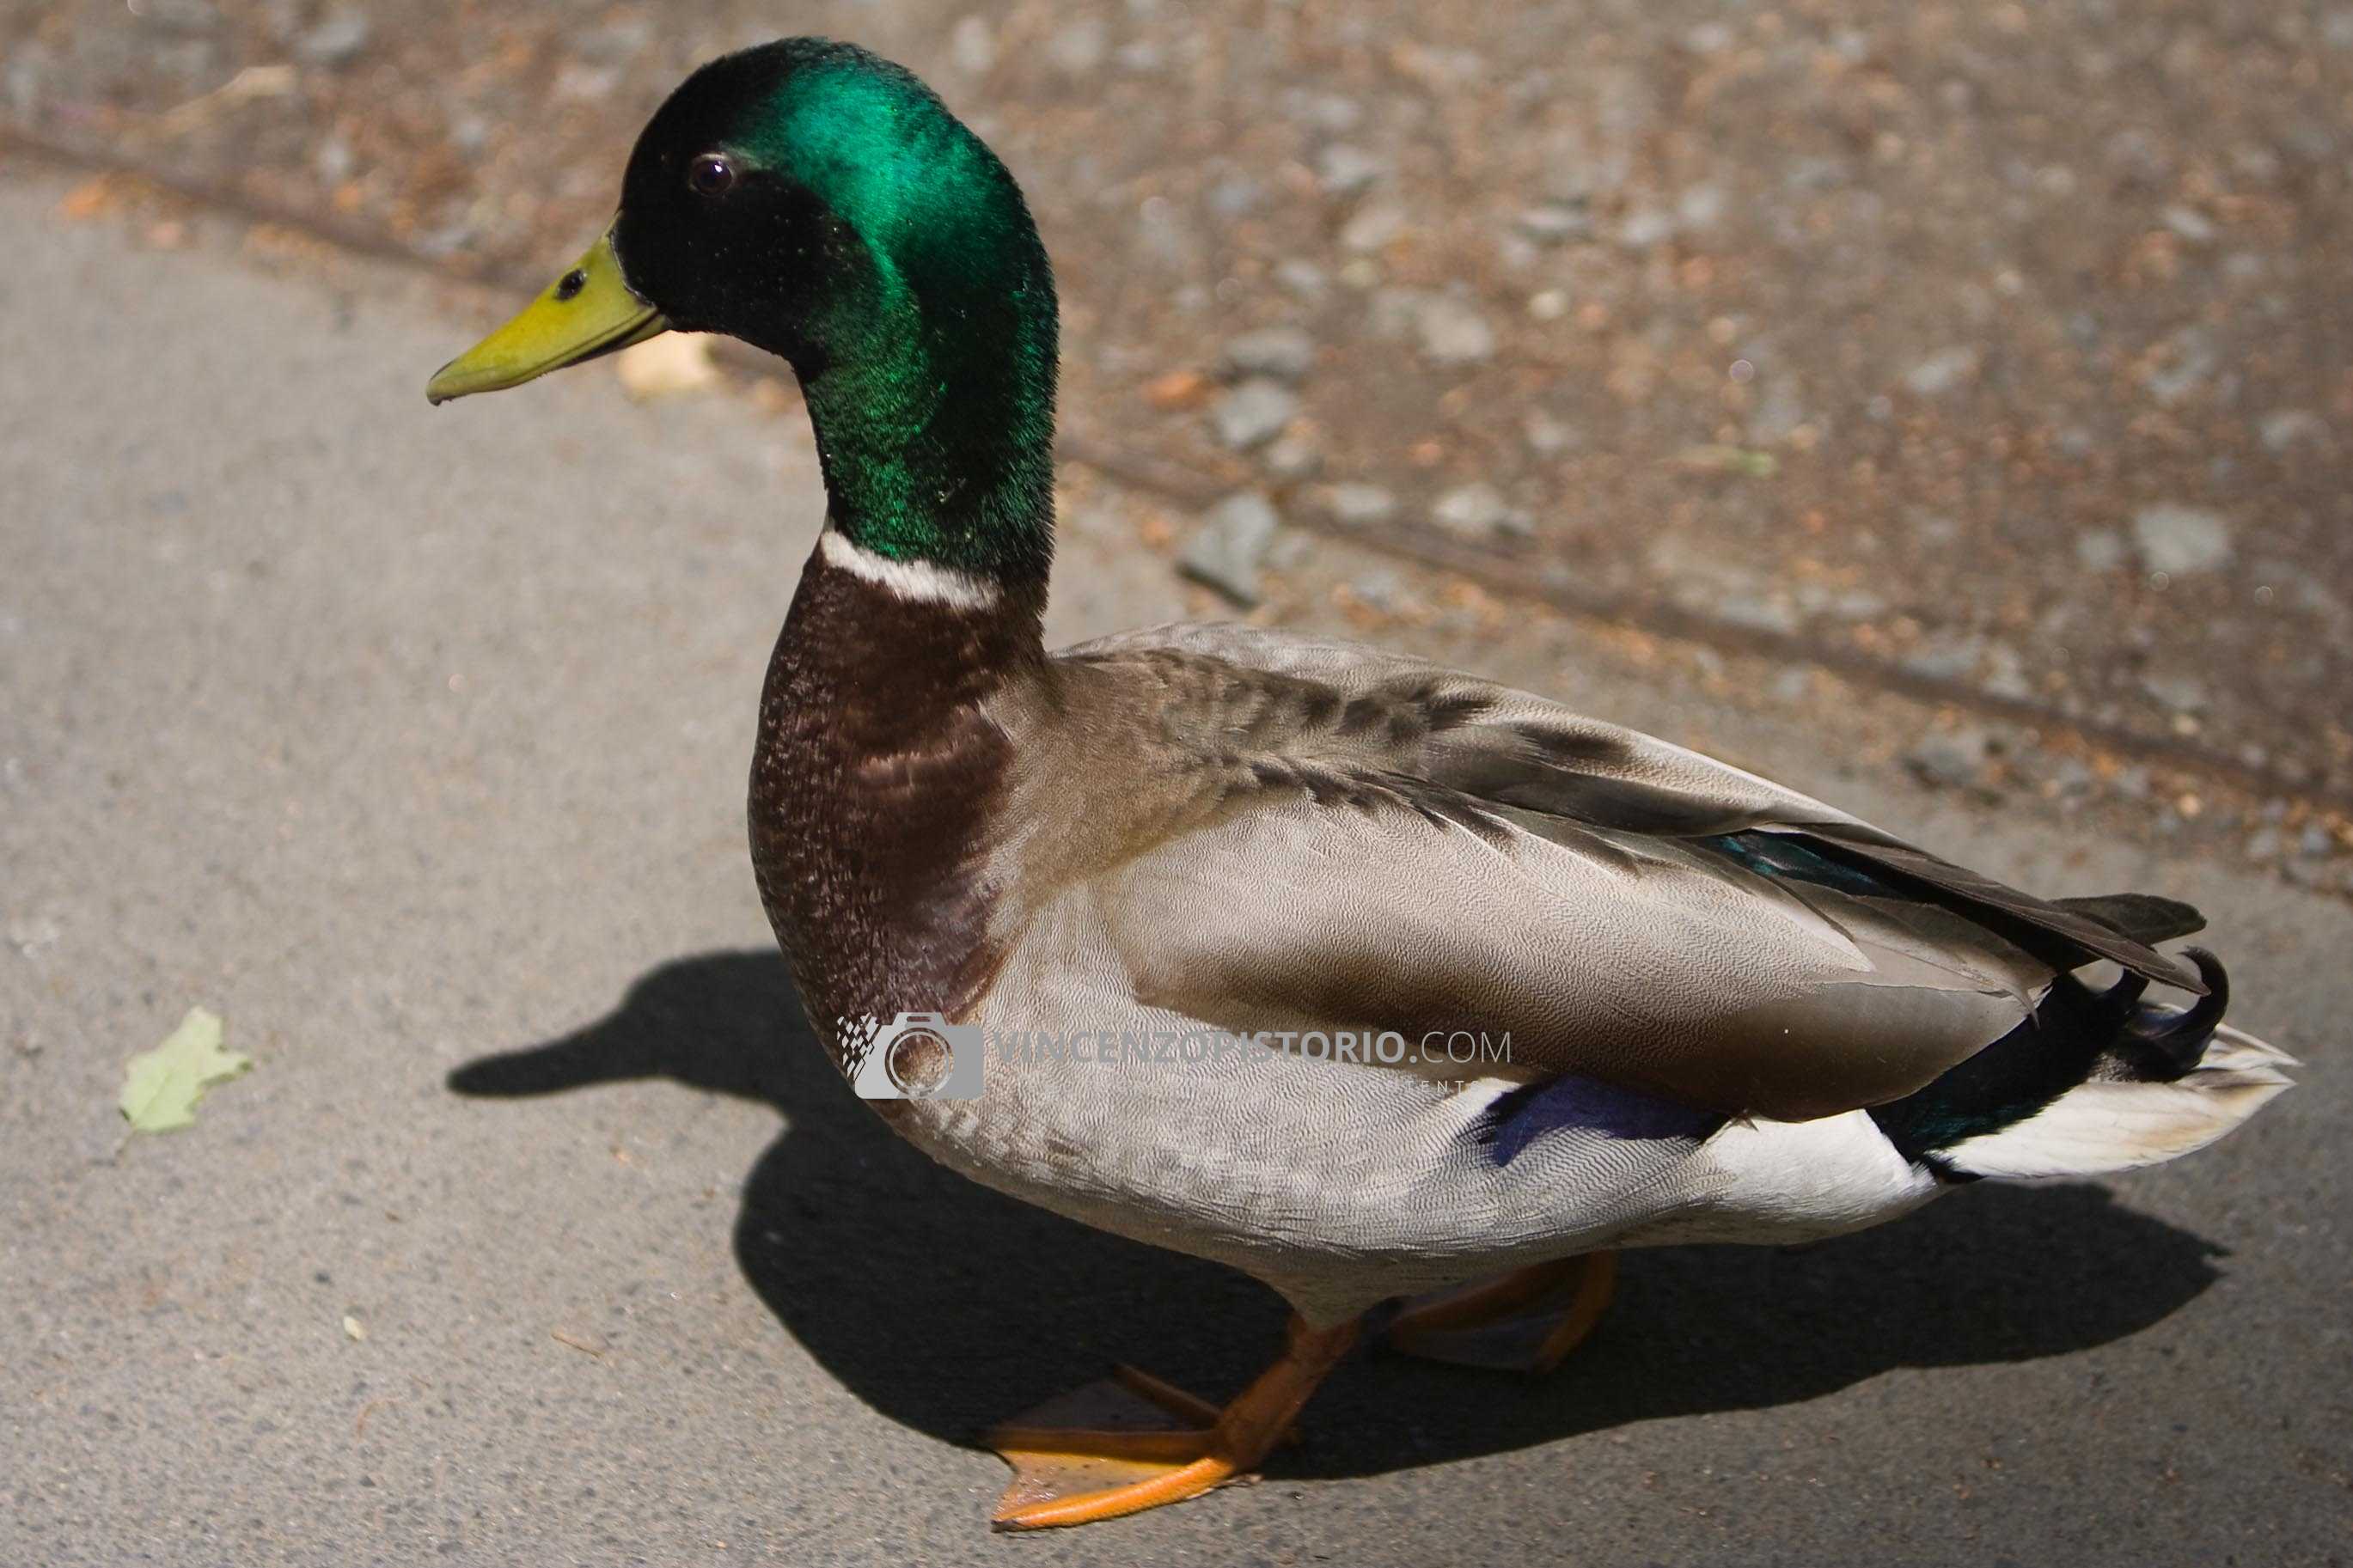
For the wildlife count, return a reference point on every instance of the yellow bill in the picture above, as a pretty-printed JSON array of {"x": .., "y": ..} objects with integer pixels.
[{"x": 587, "y": 311}]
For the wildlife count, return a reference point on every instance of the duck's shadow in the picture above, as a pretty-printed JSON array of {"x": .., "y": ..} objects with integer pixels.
[{"x": 945, "y": 1306}]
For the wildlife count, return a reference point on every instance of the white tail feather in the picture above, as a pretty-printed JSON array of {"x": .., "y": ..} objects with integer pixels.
[{"x": 2112, "y": 1125}]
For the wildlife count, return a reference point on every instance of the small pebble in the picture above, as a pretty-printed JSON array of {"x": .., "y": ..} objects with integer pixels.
[
  {"x": 332, "y": 161},
  {"x": 1372, "y": 227},
  {"x": 1699, "y": 208},
  {"x": 1845, "y": 604},
  {"x": 1332, "y": 112},
  {"x": 1358, "y": 503},
  {"x": 2071, "y": 780},
  {"x": 1758, "y": 612},
  {"x": 1545, "y": 434},
  {"x": 2189, "y": 223},
  {"x": 1556, "y": 222},
  {"x": 1294, "y": 456},
  {"x": 2180, "y": 540},
  {"x": 1302, "y": 277},
  {"x": 337, "y": 39},
  {"x": 1476, "y": 511},
  {"x": 1286, "y": 353},
  {"x": 1945, "y": 658},
  {"x": 1226, "y": 551},
  {"x": 2285, "y": 427},
  {"x": 1253, "y": 413},
  {"x": 1942, "y": 371},
  {"x": 1645, "y": 227},
  {"x": 1344, "y": 171},
  {"x": 1454, "y": 332},
  {"x": 1951, "y": 759},
  {"x": 2004, "y": 672}
]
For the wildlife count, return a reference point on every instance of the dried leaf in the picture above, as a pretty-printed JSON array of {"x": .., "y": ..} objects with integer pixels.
[
  {"x": 161, "y": 1088},
  {"x": 1739, "y": 460},
  {"x": 666, "y": 366}
]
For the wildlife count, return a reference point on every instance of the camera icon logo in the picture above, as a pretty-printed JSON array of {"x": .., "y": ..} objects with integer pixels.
[{"x": 918, "y": 1055}]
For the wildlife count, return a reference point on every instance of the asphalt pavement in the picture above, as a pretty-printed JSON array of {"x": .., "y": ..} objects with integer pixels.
[{"x": 414, "y": 741}]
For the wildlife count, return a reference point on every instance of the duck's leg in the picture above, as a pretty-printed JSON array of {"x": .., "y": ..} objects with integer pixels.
[
  {"x": 1065, "y": 1472},
  {"x": 1524, "y": 1322}
]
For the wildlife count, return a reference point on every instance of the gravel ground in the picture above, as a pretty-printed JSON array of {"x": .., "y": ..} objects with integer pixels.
[{"x": 1996, "y": 354}]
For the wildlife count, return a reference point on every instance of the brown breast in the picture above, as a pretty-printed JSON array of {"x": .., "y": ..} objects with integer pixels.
[{"x": 875, "y": 776}]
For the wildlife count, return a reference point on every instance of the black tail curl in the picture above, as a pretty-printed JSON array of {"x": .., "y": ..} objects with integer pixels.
[
  {"x": 2163, "y": 1045},
  {"x": 2075, "y": 1036}
]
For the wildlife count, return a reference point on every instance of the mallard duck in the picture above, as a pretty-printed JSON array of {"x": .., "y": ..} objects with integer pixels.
[{"x": 1731, "y": 1013}]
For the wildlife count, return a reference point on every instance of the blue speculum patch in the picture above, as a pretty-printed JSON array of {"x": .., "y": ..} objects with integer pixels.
[{"x": 1519, "y": 1118}]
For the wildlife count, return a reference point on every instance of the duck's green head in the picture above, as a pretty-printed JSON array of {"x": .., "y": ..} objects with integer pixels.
[{"x": 823, "y": 205}]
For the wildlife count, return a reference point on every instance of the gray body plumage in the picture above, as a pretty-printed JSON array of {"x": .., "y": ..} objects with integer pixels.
[{"x": 1216, "y": 827}]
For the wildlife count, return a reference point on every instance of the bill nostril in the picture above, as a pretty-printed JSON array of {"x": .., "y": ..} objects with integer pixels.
[{"x": 571, "y": 284}]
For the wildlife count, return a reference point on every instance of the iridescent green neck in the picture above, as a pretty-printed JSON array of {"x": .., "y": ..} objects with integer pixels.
[
  {"x": 928, "y": 357},
  {"x": 936, "y": 435}
]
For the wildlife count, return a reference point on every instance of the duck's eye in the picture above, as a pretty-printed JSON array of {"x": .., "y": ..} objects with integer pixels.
[{"x": 710, "y": 174}]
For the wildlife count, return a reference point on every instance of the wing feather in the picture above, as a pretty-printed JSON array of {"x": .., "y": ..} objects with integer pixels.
[{"x": 1392, "y": 844}]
